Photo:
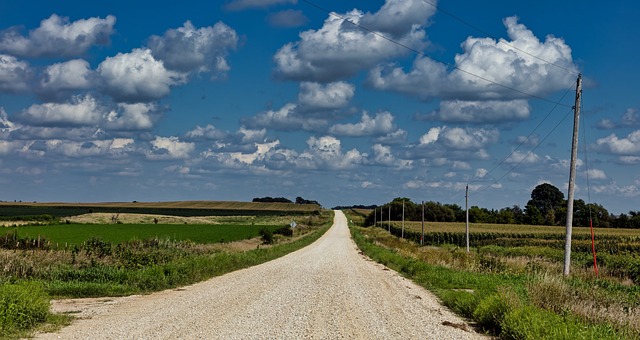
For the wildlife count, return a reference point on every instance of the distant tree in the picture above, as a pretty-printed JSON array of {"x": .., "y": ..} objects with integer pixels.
[
  {"x": 272, "y": 200},
  {"x": 634, "y": 219},
  {"x": 436, "y": 212},
  {"x": 513, "y": 215},
  {"x": 355, "y": 206},
  {"x": 548, "y": 200},
  {"x": 300, "y": 200},
  {"x": 480, "y": 215},
  {"x": 533, "y": 214},
  {"x": 460, "y": 214},
  {"x": 600, "y": 215},
  {"x": 506, "y": 216}
]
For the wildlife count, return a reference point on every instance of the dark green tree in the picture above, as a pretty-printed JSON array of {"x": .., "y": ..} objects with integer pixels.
[
  {"x": 533, "y": 214},
  {"x": 548, "y": 200}
]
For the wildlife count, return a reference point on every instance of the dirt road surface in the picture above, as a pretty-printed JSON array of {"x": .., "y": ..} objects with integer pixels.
[{"x": 327, "y": 290}]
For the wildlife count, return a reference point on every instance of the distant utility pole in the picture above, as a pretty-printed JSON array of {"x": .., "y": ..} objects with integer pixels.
[
  {"x": 402, "y": 219},
  {"x": 375, "y": 217},
  {"x": 389, "y": 218},
  {"x": 466, "y": 201},
  {"x": 572, "y": 177},
  {"x": 422, "y": 238}
]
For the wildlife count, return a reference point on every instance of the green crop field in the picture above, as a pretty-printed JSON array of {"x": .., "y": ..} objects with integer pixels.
[
  {"x": 454, "y": 227},
  {"x": 75, "y": 234}
]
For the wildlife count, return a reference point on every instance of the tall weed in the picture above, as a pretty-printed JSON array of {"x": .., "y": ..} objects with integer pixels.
[{"x": 22, "y": 306}]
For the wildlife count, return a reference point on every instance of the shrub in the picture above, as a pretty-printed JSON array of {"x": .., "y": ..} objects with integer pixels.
[
  {"x": 267, "y": 236},
  {"x": 285, "y": 231},
  {"x": 491, "y": 311},
  {"x": 460, "y": 301},
  {"x": 96, "y": 246},
  {"x": 22, "y": 306}
]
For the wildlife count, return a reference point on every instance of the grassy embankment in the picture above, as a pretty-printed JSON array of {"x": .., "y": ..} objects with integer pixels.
[
  {"x": 116, "y": 266},
  {"x": 513, "y": 290}
]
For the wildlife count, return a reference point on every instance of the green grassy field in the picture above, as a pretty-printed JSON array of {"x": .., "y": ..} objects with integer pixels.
[
  {"x": 507, "y": 228},
  {"x": 75, "y": 234}
]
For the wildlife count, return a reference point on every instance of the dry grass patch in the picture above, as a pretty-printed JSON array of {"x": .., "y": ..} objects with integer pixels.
[{"x": 552, "y": 292}]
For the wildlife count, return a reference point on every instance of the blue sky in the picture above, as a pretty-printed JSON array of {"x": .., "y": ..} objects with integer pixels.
[{"x": 119, "y": 101}]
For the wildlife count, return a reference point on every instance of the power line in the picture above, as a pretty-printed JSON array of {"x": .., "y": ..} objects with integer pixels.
[
  {"x": 529, "y": 135},
  {"x": 556, "y": 103},
  {"x": 378, "y": 34},
  {"x": 440, "y": 9},
  {"x": 529, "y": 153},
  {"x": 586, "y": 160}
]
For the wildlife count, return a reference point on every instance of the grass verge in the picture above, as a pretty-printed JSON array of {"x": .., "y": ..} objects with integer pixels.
[{"x": 498, "y": 302}]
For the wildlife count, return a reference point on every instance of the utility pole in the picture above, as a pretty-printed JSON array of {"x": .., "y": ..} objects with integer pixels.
[
  {"x": 375, "y": 217},
  {"x": 402, "y": 219},
  {"x": 572, "y": 177},
  {"x": 389, "y": 218},
  {"x": 466, "y": 201},
  {"x": 422, "y": 238}
]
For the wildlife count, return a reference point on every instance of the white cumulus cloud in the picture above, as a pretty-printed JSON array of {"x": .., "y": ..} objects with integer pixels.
[
  {"x": 339, "y": 49},
  {"x": 326, "y": 152},
  {"x": 315, "y": 96},
  {"x": 190, "y": 49},
  {"x": 169, "y": 148},
  {"x": 381, "y": 124},
  {"x": 137, "y": 77},
  {"x": 501, "y": 62},
  {"x": 629, "y": 145},
  {"x": 286, "y": 118},
  {"x": 518, "y": 157},
  {"x": 67, "y": 76},
  {"x": 208, "y": 132},
  {"x": 58, "y": 37},
  {"x": 14, "y": 74},
  {"x": 491, "y": 111},
  {"x": 460, "y": 138},
  {"x": 132, "y": 117},
  {"x": 80, "y": 110}
]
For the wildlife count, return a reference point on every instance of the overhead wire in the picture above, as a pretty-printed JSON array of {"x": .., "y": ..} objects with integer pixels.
[
  {"x": 526, "y": 139},
  {"x": 524, "y": 158},
  {"x": 534, "y": 148},
  {"x": 586, "y": 160},
  {"x": 555, "y": 103},
  {"x": 440, "y": 9},
  {"x": 378, "y": 34}
]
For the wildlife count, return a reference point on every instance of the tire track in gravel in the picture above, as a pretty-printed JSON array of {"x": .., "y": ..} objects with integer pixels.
[{"x": 327, "y": 290}]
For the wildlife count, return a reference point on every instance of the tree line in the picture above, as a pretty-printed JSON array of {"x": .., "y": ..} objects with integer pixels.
[
  {"x": 547, "y": 206},
  {"x": 299, "y": 200}
]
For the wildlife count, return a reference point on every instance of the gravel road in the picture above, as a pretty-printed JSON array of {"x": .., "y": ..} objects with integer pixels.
[{"x": 327, "y": 290}]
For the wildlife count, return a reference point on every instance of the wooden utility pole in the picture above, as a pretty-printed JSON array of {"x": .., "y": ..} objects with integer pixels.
[
  {"x": 422, "y": 238},
  {"x": 389, "y": 218},
  {"x": 572, "y": 177},
  {"x": 375, "y": 217},
  {"x": 466, "y": 201},
  {"x": 402, "y": 219}
]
